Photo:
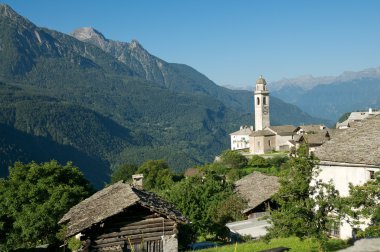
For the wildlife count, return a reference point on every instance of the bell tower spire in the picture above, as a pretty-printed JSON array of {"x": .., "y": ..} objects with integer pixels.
[{"x": 261, "y": 101}]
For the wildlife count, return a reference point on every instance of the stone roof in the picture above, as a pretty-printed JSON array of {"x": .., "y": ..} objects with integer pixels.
[
  {"x": 113, "y": 200},
  {"x": 358, "y": 116},
  {"x": 244, "y": 131},
  {"x": 256, "y": 188},
  {"x": 345, "y": 123},
  {"x": 312, "y": 128},
  {"x": 283, "y": 130},
  {"x": 359, "y": 144},
  {"x": 262, "y": 133},
  {"x": 316, "y": 139}
]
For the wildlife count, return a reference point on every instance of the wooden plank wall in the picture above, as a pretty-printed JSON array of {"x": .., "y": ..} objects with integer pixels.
[{"x": 142, "y": 232}]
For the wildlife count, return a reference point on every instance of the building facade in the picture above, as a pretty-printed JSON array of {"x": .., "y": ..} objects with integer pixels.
[
  {"x": 240, "y": 138},
  {"x": 351, "y": 156}
]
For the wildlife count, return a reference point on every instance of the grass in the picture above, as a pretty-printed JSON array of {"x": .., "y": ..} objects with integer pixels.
[
  {"x": 294, "y": 243},
  {"x": 275, "y": 154},
  {"x": 266, "y": 170}
]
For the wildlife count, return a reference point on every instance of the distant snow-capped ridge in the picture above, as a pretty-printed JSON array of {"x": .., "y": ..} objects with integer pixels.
[{"x": 308, "y": 81}]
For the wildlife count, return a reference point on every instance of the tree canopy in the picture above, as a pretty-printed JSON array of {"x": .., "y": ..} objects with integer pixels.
[
  {"x": 157, "y": 175},
  {"x": 208, "y": 202},
  {"x": 362, "y": 203},
  {"x": 233, "y": 159},
  {"x": 306, "y": 206},
  {"x": 32, "y": 200},
  {"x": 123, "y": 172}
]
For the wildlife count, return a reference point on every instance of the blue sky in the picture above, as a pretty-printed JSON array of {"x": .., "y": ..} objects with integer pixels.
[{"x": 231, "y": 42}]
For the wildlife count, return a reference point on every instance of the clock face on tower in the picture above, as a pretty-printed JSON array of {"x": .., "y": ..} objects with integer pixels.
[{"x": 265, "y": 110}]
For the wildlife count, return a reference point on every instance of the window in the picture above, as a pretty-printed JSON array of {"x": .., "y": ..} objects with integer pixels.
[
  {"x": 258, "y": 101},
  {"x": 258, "y": 143},
  {"x": 371, "y": 174},
  {"x": 335, "y": 229},
  {"x": 269, "y": 143},
  {"x": 264, "y": 100}
]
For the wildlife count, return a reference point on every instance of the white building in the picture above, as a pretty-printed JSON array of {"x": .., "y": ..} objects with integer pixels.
[
  {"x": 356, "y": 117},
  {"x": 351, "y": 156},
  {"x": 266, "y": 138},
  {"x": 240, "y": 138}
]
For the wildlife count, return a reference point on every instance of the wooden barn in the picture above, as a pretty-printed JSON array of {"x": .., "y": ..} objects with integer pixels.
[{"x": 124, "y": 218}]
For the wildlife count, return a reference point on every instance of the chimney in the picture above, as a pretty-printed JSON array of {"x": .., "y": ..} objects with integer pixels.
[
  {"x": 241, "y": 127},
  {"x": 137, "y": 180},
  {"x": 370, "y": 110}
]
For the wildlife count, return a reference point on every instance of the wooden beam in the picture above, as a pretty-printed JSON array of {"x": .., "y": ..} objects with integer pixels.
[
  {"x": 156, "y": 235},
  {"x": 134, "y": 230}
]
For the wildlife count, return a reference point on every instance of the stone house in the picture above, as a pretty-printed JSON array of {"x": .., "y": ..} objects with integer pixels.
[
  {"x": 351, "y": 156},
  {"x": 356, "y": 117},
  {"x": 284, "y": 133}
]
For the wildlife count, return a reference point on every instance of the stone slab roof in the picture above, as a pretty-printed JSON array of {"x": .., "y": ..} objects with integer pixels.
[
  {"x": 316, "y": 139},
  {"x": 113, "y": 200},
  {"x": 312, "y": 128},
  {"x": 256, "y": 188},
  {"x": 244, "y": 131},
  {"x": 359, "y": 144},
  {"x": 262, "y": 133},
  {"x": 358, "y": 116},
  {"x": 283, "y": 130}
]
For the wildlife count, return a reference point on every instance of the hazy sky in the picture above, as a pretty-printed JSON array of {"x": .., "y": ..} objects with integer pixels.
[{"x": 232, "y": 42}]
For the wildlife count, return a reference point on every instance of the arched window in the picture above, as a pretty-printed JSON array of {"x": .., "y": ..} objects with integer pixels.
[
  {"x": 265, "y": 100},
  {"x": 258, "y": 101},
  {"x": 268, "y": 140}
]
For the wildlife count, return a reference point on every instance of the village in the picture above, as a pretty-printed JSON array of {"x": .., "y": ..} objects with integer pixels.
[
  {"x": 145, "y": 126},
  {"x": 126, "y": 216}
]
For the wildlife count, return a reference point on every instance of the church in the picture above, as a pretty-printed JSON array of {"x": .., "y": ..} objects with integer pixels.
[{"x": 266, "y": 138}]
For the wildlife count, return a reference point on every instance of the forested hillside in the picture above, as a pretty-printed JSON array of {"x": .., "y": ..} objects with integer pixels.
[{"x": 70, "y": 100}]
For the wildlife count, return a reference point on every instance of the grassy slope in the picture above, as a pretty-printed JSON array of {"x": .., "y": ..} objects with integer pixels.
[{"x": 294, "y": 243}]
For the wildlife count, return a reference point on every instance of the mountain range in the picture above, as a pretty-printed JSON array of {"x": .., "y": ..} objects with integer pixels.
[
  {"x": 100, "y": 103},
  {"x": 330, "y": 97}
]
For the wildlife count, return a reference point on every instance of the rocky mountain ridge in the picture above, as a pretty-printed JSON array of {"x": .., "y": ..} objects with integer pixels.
[{"x": 51, "y": 82}]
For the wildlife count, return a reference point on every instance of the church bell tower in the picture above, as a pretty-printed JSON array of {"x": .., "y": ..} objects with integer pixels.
[{"x": 261, "y": 101}]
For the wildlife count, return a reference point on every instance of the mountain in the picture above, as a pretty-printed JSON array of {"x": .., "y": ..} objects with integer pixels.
[
  {"x": 330, "y": 97},
  {"x": 183, "y": 78},
  {"x": 79, "y": 101}
]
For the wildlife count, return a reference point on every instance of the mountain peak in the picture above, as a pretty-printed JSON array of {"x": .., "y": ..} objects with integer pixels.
[
  {"x": 135, "y": 44},
  {"x": 7, "y": 11},
  {"x": 86, "y": 33}
]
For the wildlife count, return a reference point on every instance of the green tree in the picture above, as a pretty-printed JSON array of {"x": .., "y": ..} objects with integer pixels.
[
  {"x": 233, "y": 159},
  {"x": 157, "y": 175},
  {"x": 205, "y": 201},
  {"x": 363, "y": 204},
  {"x": 277, "y": 161},
  {"x": 258, "y": 161},
  {"x": 306, "y": 206},
  {"x": 123, "y": 172},
  {"x": 33, "y": 198}
]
